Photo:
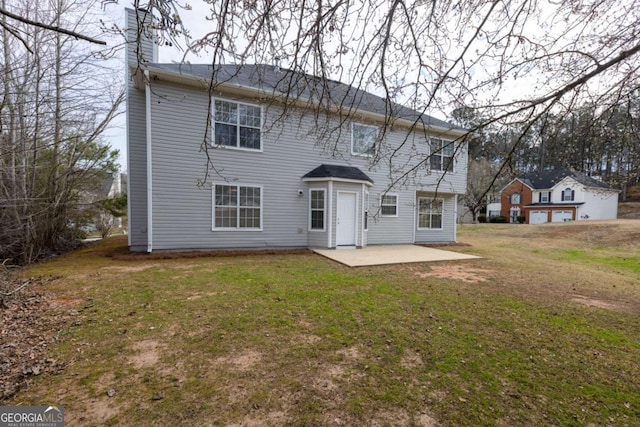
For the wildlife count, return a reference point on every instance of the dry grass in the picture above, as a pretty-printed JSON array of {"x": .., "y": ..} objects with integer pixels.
[{"x": 542, "y": 331}]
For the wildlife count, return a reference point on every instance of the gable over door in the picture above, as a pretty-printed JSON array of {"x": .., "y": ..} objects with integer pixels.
[{"x": 346, "y": 219}]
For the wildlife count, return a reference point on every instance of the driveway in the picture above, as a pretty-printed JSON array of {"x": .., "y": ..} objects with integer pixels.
[{"x": 390, "y": 254}]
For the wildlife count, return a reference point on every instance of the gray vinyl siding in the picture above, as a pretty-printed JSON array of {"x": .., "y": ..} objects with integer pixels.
[
  {"x": 136, "y": 148},
  {"x": 144, "y": 48},
  {"x": 182, "y": 211}
]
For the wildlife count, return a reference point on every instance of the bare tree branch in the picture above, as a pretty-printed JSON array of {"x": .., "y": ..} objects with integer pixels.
[{"x": 51, "y": 27}]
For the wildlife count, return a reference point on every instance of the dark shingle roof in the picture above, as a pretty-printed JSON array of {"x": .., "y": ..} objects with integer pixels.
[
  {"x": 336, "y": 171},
  {"x": 280, "y": 81},
  {"x": 547, "y": 179}
]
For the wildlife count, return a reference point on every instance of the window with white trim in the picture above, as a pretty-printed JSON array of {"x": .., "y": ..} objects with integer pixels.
[
  {"x": 237, "y": 125},
  {"x": 237, "y": 207},
  {"x": 567, "y": 195},
  {"x": 389, "y": 205},
  {"x": 317, "y": 210},
  {"x": 441, "y": 157},
  {"x": 545, "y": 197},
  {"x": 430, "y": 213},
  {"x": 363, "y": 139},
  {"x": 515, "y": 198}
]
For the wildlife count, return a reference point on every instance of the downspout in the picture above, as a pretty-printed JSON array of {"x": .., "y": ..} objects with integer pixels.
[
  {"x": 415, "y": 215},
  {"x": 330, "y": 227},
  {"x": 147, "y": 92},
  {"x": 455, "y": 218},
  {"x": 126, "y": 70},
  {"x": 361, "y": 215}
]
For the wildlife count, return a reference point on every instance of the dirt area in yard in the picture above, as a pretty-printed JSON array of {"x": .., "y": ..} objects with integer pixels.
[{"x": 27, "y": 330}]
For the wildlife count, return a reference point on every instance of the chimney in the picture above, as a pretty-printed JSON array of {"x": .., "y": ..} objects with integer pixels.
[{"x": 142, "y": 46}]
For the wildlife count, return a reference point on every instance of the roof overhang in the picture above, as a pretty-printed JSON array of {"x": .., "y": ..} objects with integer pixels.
[
  {"x": 248, "y": 91},
  {"x": 552, "y": 205},
  {"x": 334, "y": 179}
]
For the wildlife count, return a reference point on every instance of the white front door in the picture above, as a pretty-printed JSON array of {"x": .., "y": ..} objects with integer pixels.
[{"x": 346, "y": 219}]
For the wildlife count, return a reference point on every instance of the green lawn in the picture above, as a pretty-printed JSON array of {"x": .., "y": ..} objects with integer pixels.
[{"x": 544, "y": 330}]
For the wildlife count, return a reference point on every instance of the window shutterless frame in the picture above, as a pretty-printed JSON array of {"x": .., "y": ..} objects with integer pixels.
[
  {"x": 317, "y": 209},
  {"x": 441, "y": 155},
  {"x": 430, "y": 213},
  {"x": 236, "y": 125},
  {"x": 363, "y": 139},
  {"x": 389, "y": 205},
  {"x": 237, "y": 207}
]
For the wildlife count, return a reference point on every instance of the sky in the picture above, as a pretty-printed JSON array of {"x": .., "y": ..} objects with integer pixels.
[
  {"x": 520, "y": 84},
  {"x": 116, "y": 135}
]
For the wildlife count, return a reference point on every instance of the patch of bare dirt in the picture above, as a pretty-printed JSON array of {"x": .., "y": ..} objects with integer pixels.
[
  {"x": 411, "y": 359},
  {"x": 351, "y": 353},
  {"x": 129, "y": 268},
  {"x": 261, "y": 418},
  {"x": 592, "y": 302},
  {"x": 30, "y": 321},
  {"x": 464, "y": 273},
  {"x": 243, "y": 361},
  {"x": 398, "y": 417},
  {"x": 146, "y": 354}
]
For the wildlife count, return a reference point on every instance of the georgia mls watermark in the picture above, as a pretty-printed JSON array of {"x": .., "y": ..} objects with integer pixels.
[{"x": 31, "y": 416}]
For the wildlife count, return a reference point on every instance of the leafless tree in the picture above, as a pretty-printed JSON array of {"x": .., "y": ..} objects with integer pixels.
[
  {"x": 57, "y": 101},
  {"x": 514, "y": 61}
]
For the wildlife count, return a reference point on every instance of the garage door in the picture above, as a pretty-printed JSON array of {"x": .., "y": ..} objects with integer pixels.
[
  {"x": 538, "y": 217},
  {"x": 559, "y": 216}
]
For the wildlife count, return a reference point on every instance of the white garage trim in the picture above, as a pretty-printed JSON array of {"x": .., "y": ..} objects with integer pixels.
[
  {"x": 538, "y": 217},
  {"x": 560, "y": 216}
]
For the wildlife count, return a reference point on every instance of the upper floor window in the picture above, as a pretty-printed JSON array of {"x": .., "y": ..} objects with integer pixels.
[
  {"x": 389, "y": 205},
  {"x": 567, "y": 195},
  {"x": 363, "y": 139},
  {"x": 237, "y": 125},
  {"x": 515, "y": 199},
  {"x": 441, "y": 154},
  {"x": 545, "y": 197}
]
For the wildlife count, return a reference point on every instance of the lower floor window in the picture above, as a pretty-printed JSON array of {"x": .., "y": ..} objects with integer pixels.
[
  {"x": 316, "y": 209},
  {"x": 237, "y": 207},
  {"x": 429, "y": 212}
]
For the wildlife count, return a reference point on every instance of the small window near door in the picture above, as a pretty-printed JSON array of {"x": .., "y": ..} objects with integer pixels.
[
  {"x": 389, "y": 205},
  {"x": 316, "y": 210}
]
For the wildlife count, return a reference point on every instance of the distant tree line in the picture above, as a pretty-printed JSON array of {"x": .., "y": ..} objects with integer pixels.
[{"x": 602, "y": 143}]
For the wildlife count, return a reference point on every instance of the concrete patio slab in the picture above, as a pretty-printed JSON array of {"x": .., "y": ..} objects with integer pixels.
[{"x": 390, "y": 254}]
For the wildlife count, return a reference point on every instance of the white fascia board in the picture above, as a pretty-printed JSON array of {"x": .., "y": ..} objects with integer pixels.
[{"x": 333, "y": 179}]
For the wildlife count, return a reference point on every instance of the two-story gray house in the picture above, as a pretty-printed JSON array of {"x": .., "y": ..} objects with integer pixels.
[{"x": 297, "y": 161}]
